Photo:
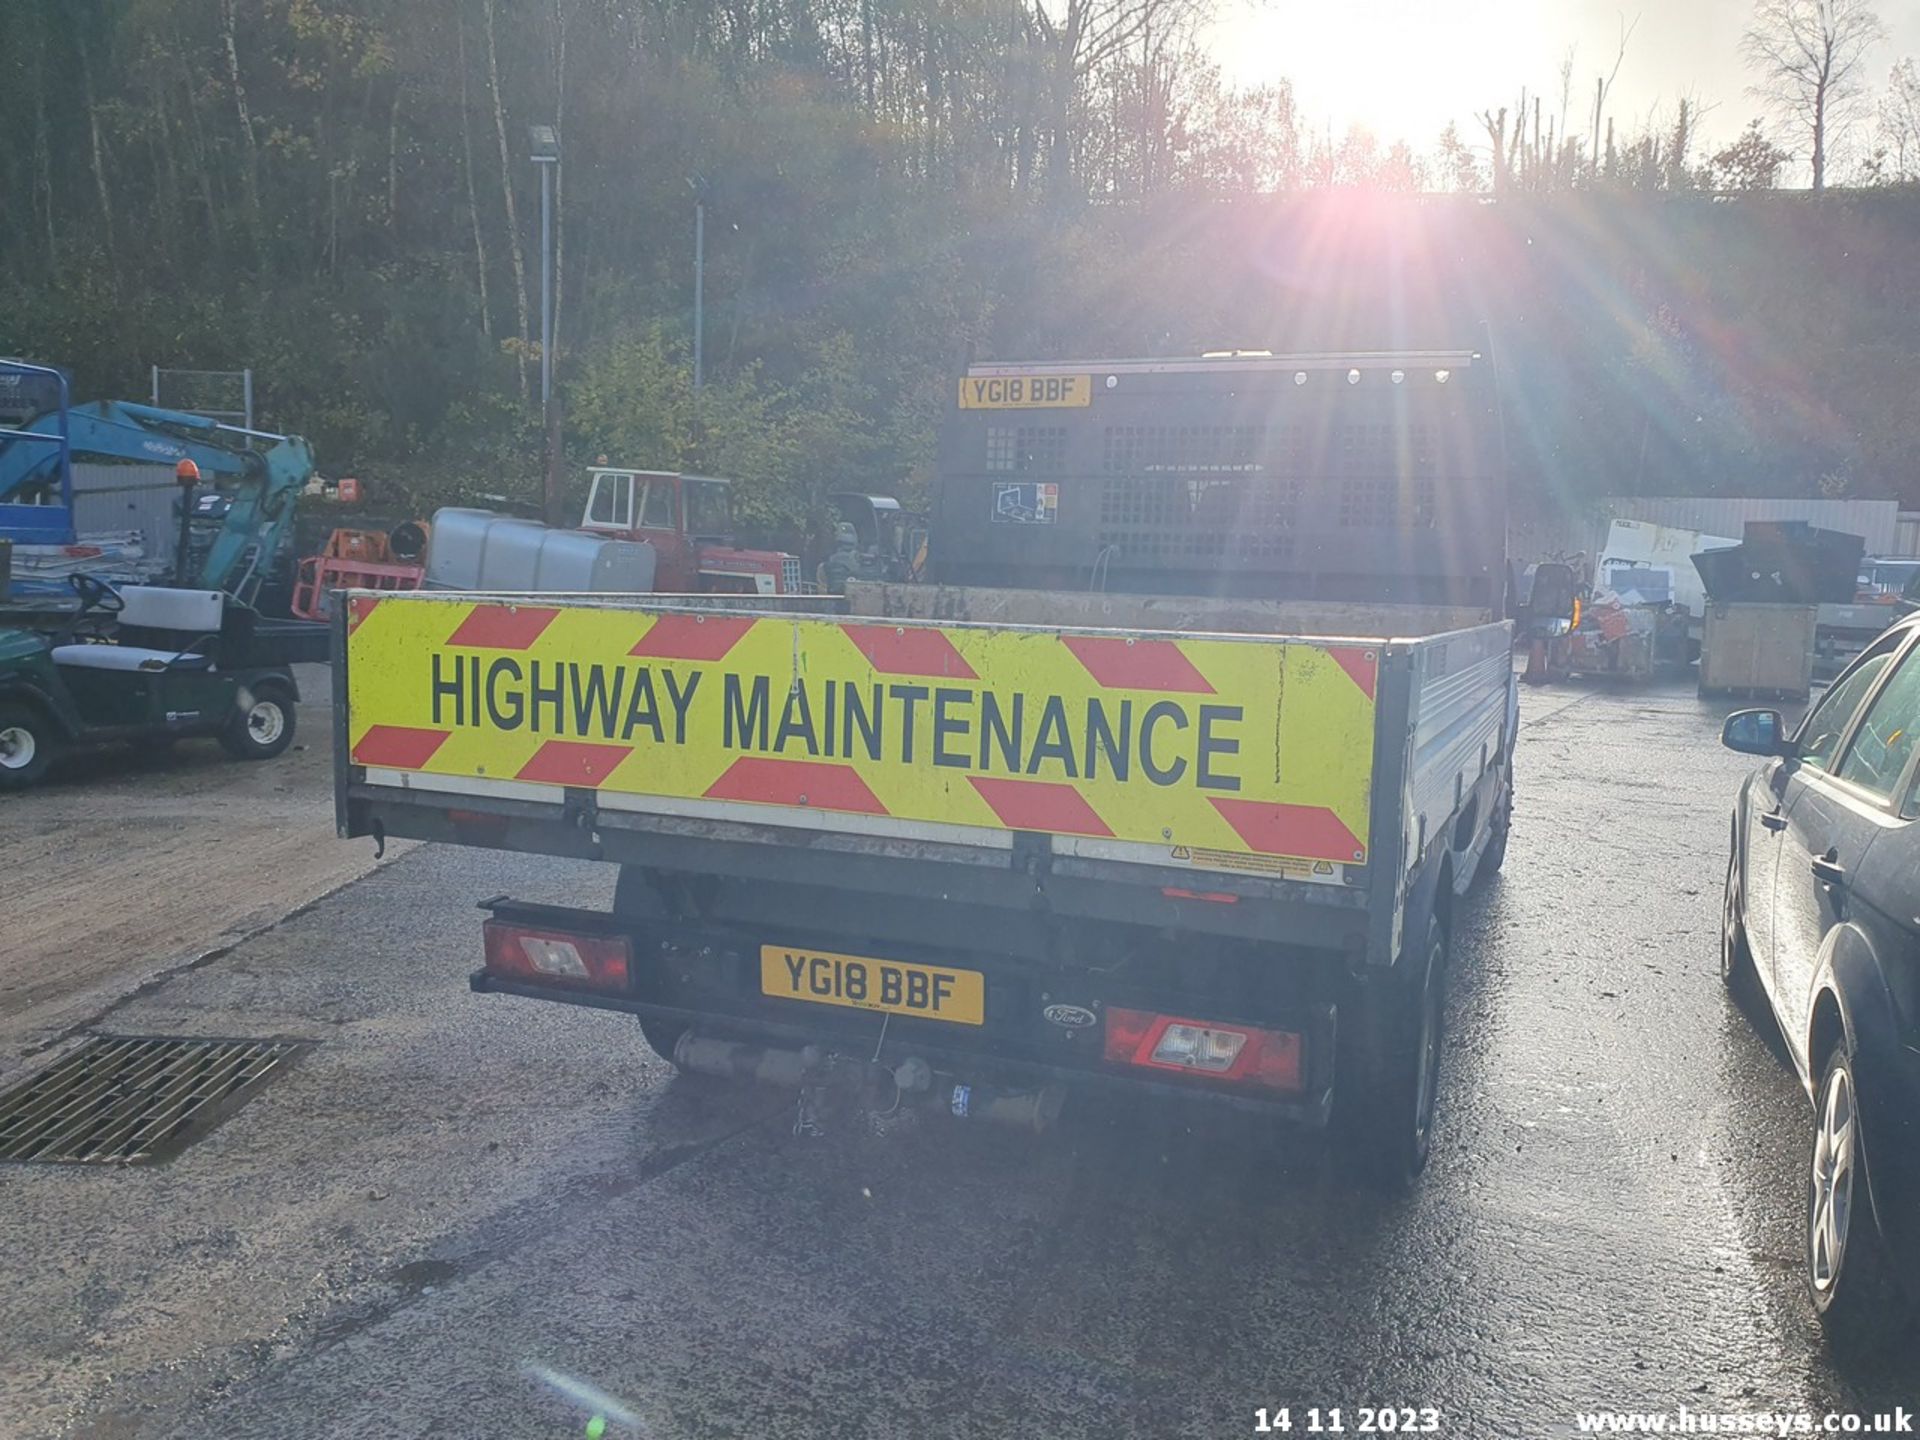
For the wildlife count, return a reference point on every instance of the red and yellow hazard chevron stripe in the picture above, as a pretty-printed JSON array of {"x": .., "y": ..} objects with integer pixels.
[{"x": 1228, "y": 745}]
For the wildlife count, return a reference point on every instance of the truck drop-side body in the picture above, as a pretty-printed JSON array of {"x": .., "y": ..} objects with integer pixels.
[{"x": 1164, "y": 782}]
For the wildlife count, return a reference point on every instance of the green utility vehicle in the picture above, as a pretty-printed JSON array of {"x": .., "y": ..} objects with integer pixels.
[{"x": 143, "y": 665}]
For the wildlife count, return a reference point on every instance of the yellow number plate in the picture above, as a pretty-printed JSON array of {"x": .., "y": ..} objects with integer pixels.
[
  {"x": 1026, "y": 392},
  {"x": 858, "y": 982}
]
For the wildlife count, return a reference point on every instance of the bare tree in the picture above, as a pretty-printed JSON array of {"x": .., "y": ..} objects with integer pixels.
[
  {"x": 1078, "y": 37},
  {"x": 514, "y": 247},
  {"x": 251, "y": 172},
  {"x": 1603, "y": 85},
  {"x": 1566, "y": 85},
  {"x": 1810, "y": 55},
  {"x": 466, "y": 170},
  {"x": 1898, "y": 132}
]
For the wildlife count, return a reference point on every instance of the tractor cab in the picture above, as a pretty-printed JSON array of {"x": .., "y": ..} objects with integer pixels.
[
  {"x": 688, "y": 520},
  {"x": 873, "y": 539}
]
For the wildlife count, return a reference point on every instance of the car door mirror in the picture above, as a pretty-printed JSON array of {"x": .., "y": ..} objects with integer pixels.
[{"x": 1756, "y": 732}]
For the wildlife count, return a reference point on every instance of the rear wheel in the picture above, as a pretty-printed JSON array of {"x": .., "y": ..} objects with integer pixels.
[
  {"x": 28, "y": 743},
  {"x": 1847, "y": 1268},
  {"x": 263, "y": 726},
  {"x": 635, "y": 899},
  {"x": 661, "y": 1037},
  {"x": 1391, "y": 1080}
]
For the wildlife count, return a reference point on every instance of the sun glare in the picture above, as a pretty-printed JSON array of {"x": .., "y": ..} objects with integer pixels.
[{"x": 1399, "y": 68}]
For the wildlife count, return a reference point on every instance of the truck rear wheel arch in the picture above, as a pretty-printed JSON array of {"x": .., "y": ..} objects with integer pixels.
[
  {"x": 1465, "y": 827},
  {"x": 1387, "y": 1068},
  {"x": 1379, "y": 1136},
  {"x": 1429, "y": 893},
  {"x": 642, "y": 894},
  {"x": 1826, "y": 1034}
]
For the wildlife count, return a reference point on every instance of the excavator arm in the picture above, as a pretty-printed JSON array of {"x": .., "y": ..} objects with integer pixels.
[{"x": 260, "y": 518}]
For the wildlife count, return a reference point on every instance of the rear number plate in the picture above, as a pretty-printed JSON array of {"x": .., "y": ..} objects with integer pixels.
[{"x": 858, "y": 982}]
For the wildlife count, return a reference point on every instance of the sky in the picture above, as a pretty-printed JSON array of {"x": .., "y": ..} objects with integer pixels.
[{"x": 1404, "y": 68}]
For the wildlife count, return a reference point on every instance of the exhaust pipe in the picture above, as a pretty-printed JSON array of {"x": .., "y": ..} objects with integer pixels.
[
  {"x": 1034, "y": 1110},
  {"x": 730, "y": 1060},
  {"x": 912, "y": 1080}
]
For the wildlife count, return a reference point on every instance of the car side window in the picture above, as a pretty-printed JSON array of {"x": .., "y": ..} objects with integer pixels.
[
  {"x": 1820, "y": 736},
  {"x": 1882, "y": 745}
]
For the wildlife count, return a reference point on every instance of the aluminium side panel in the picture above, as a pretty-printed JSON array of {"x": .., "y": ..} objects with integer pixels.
[
  {"x": 1460, "y": 687},
  {"x": 1392, "y": 757}
]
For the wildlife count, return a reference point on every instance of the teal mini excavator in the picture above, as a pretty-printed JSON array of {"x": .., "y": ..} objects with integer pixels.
[{"x": 258, "y": 475}]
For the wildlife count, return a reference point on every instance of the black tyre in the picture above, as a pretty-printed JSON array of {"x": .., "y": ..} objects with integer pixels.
[
  {"x": 1390, "y": 1078},
  {"x": 661, "y": 1036},
  {"x": 28, "y": 744},
  {"x": 635, "y": 900},
  {"x": 1847, "y": 1269},
  {"x": 1495, "y": 854},
  {"x": 263, "y": 726},
  {"x": 1736, "y": 956}
]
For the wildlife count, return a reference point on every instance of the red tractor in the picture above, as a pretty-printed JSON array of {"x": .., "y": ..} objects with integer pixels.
[{"x": 688, "y": 520}]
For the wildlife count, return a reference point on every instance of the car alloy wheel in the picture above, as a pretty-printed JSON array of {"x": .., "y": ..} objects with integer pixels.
[{"x": 1830, "y": 1207}]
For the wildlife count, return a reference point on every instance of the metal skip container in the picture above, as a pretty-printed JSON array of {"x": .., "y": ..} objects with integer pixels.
[
  {"x": 1758, "y": 648},
  {"x": 1763, "y": 606}
]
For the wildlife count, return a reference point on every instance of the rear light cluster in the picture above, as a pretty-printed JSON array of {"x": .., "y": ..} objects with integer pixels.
[
  {"x": 523, "y": 952},
  {"x": 1239, "y": 1054},
  {"x": 1212, "y": 897}
]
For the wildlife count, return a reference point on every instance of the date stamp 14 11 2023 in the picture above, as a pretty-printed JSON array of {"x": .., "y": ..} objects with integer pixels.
[{"x": 1347, "y": 1420}]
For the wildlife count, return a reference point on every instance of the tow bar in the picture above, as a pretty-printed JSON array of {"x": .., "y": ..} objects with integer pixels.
[{"x": 813, "y": 1070}]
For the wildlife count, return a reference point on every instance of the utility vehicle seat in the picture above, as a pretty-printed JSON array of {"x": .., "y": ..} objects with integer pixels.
[
  {"x": 128, "y": 657},
  {"x": 192, "y": 615}
]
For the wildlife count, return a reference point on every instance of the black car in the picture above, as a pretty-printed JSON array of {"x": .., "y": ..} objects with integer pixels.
[{"x": 1822, "y": 916}]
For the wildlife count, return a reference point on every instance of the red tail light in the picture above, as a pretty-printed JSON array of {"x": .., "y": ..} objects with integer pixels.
[
  {"x": 1212, "y": 897},
  {"x": 1238, "y": 1054},
  {"x": 522, "y": 952}
]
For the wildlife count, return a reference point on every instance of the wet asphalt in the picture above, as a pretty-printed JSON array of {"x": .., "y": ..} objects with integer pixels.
[{"x": 472, "y": 1216}]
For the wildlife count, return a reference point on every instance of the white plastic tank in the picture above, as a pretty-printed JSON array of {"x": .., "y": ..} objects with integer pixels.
[{"x": 479, "y": 550}]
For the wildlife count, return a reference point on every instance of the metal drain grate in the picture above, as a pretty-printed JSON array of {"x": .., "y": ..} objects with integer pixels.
[{"x": 124, "y": 1099}]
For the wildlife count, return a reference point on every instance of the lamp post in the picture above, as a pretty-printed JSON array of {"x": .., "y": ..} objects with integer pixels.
[{"x": 545, "y": 142}]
